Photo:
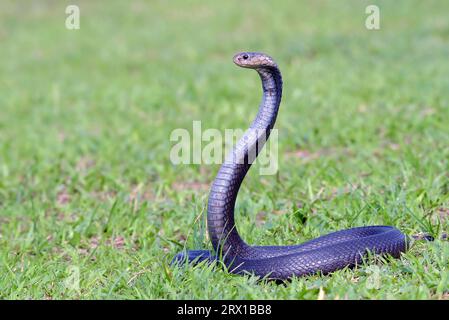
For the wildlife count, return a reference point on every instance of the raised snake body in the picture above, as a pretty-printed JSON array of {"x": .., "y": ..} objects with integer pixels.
[{"x": 324, "y": 254}]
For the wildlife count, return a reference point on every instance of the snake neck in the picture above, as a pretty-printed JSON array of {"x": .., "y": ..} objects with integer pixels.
[{"x": 223, "y": 194}]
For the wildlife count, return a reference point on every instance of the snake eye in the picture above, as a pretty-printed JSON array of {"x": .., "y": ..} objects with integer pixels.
[{"x": 245, "y": 56}]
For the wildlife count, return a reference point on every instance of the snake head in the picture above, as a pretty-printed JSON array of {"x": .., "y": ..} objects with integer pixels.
[{"x": 254, "y": 60}]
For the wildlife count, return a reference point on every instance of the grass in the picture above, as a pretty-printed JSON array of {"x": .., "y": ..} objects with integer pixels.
[{"x": 87, "y": 191}]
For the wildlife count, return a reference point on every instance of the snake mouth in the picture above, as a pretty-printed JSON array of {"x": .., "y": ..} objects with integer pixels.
[{"x": 242, "y": 59}]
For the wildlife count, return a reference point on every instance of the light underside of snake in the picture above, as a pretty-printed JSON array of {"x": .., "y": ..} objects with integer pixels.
[{"x": 325, "y": 254}]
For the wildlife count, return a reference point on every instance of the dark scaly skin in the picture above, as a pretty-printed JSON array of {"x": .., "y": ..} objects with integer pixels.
[{"x": 325, "y": 254}]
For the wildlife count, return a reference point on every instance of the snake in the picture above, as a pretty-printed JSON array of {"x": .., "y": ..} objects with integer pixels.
[{"x": 322, "y": 255}]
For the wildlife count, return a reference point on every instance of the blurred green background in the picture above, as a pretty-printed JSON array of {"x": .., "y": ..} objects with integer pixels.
[{"x": 87, "y": 191}]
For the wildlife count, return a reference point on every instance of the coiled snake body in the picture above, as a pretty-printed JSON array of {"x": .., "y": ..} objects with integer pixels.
[{"x": 324, "y": 254}]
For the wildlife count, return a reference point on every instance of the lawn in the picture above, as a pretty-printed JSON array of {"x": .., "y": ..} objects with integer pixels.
[{"x": 91, "y": 206}]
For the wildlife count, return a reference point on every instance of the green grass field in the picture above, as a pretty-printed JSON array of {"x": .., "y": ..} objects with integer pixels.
[{"x": 87, "y": 189}]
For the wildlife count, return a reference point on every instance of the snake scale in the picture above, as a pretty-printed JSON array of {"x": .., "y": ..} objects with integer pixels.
[{"x": 325, "y": 254}]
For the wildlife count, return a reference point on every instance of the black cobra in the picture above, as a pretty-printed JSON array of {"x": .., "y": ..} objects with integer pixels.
[{"x": 325, "y": 254}]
